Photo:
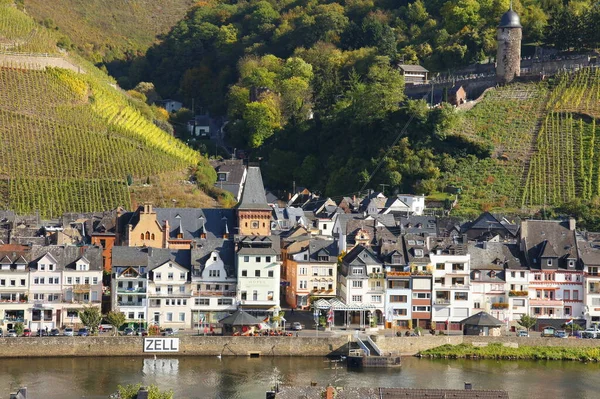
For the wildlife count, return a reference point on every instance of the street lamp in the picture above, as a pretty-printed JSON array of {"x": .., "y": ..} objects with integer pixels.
[{"x": 316, "y": 316}]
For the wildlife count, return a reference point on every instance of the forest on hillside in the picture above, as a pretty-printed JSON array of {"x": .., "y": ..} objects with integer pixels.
[{"x": 311, "y": 87}]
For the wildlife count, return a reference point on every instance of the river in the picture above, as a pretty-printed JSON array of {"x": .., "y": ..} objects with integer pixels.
[{"x": 245, "y": 378}]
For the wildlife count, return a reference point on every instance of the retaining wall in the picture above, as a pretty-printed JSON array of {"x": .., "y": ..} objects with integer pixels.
[{"x": 188, "y": 346}]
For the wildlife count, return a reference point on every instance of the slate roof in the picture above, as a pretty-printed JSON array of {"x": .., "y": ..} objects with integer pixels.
[
  {"x": 548, "y": 238},
  {"x": 487, "y": 226},
  {"x": 149, "y": 257},
  {"x": 298, "y": 392},
  {"x": 356, "y": 258},
  {"x": 589, "y": 249},
  {"x": 426, "y": 225},
  {"x": 482, "y": 319},
  {"x": 66, "y": 256},
  {"x": 258, "y": 245},
  {"x": 201, "y": 254},
  {"x": 191, "y": 222},
  {"x": 495, "y": 256},
  {"x": 319, "y": 247},
  {"x": 235, "y": 174},
  {"x": 253, "y": 195},
  {"x": 510, "y": 19},
  {"x": 411, "y": 243}
]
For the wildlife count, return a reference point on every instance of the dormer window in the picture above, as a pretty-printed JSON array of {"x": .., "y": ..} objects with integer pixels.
[
  {"x": 411, "y": 242},
  {"x": 477, "y": 275},
  {"x": 571, "y": 263},
  {"x": 222, "y": 176},
  {"x": 418, "y": 253},
  {"x": 51, "y": 267},
  {"x": 42, "y": 267},
  {"x": 549, "y": 262},
  {"x": 492, "y": 274}
]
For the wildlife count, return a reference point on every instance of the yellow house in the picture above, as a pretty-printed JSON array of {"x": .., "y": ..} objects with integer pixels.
[{"x": 147, "y": 231}]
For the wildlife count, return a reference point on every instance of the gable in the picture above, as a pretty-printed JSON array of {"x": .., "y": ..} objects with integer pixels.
[{"x": 170, "y": 266}]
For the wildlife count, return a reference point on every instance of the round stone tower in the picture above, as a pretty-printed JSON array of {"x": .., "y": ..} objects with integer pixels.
[{"x": 508, "y": 59}]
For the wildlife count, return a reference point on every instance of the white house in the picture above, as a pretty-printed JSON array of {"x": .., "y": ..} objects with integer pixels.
[
  {"x": 589, "y": 249},
  {"x": 129, "y": 282},
  {"x": 14, "y": 287},
  {"x": 452, "y": 298},
  {"x": 214, "y": 283},
  {"x": 45, "y": 292},
  {"x": 169, "y": 291}
]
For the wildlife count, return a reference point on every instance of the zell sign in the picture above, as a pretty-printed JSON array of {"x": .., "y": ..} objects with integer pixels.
[{"x": 161, "y": 344}]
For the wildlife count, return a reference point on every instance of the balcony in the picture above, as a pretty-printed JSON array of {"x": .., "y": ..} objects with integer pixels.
[
  {"x": 442, "y": 301},
  {"x": 132, "y": 290},
  {"x": 14, "y": 320},
  {"x": 81, "y": 288},
  {"x": 213, "y": 293},
  {"x": 499, "y": 305},
  {"x": 376, "y": 275},
  {"x": 518, "y": 293},
  {"x": 132, "y": 304}
]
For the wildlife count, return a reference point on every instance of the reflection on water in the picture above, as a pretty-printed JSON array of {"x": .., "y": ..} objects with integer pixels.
[{"x": 241, "y": 377}]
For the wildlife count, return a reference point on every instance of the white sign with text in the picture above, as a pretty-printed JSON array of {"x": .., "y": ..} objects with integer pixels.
[{"x": 161, "y": 344}]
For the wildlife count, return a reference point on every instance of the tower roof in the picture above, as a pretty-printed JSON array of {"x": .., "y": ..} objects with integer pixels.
[
  {"x": 253, "y": 196},
  {"x": 510, "y": 19}
]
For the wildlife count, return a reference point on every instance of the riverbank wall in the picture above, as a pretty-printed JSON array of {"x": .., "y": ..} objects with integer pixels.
[
  {"x": 257, "y": 346},
  {"x": 188, "y": 346}
]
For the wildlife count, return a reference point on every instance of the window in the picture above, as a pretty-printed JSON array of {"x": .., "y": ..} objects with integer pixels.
[
  {"x": 400, "y": 312},
  {"x": 95, "y": 280},
  {"x": 518, "y": 302},
  {"x": 421, "y": 295},
  {"x": 440, "y": 266},
  {"x": 593, "y": 271},
  {"x": 376, "y": 298},
  {"x": 246, "y": 259},
  {"x": 567, "y": 310},
  {"x": 258, "y": 259},
  {"x": 398, "y": 298},
  {"x": 43, "y": 280},
  {"x": 458, "y": 267},
  {"x": 169, "y": 289},
  {"x": 325, "y": 226},
  {"x": 131, "y": 315},
  {"x": 182, "y": 276},
  {"x": 305, "y": 256},
  {"x": 458, "y": 281},
  {"x": 255, "y": 224},
  {"x": 42, "y": 267},
  {"x": 214, "y": 273},
  {"x": 315, "y": 271},
  {"x": 182, "y": 289},
  {"x": 270, "y": 273},
  {"x": 303, "y": 284},
  {"x": 568, "y": 277},
  {"x": 477, "y": 305},
  {"x": 202, "y": 301},
  {"x": 357, "y": 284},
  {"x": 181, "y": 316},
  {"x": 268, "y": 259},
  {"x": 22, "y": 282},
  {"x": 169, "y": 316},
  {"x": 170, "y": 276},
  {"x": 461, "y": 296},
  {"x": 549, "y": 276},
  {"x": 141, "y": 316},
  {"x": 257, "y": 273},
  {"x": 522, "y": 274},
  {"x": 243, "y": 295},
  {"x": 157, "y": 276},
  {"x": 225, "y": 301},
  {"x": 513, "y": 274},
  {"x": 571, "y": 263},
  {"x": 244, "y": 273},
  {"x": 537, "y": 277},
  {"x": 421, "y": 309},
  {"x": 549, "y": 263},
  {"x": 567, "y": 295},
  {"x": 158, "y": 290},
  {"x": 357, "y": 271},
  {"x": 575, "y": 295},
  {"x": 356, "y": 298},
  {"x": 86, "y": 280},
  {"x": 255, "y": 295}
]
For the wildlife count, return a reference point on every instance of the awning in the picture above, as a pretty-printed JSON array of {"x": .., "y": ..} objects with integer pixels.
[{"x": 336, "y": 304}]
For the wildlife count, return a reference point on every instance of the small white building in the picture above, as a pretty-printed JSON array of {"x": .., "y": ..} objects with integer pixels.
[{"x": 169, "y": 291}]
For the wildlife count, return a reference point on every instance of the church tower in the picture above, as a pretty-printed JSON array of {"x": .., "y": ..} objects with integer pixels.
[
  {"x": 508, "y": 58},
  {"x": 254, "y": 214}
]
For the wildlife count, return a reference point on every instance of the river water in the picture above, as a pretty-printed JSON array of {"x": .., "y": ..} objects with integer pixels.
[{"x": 201, "y": 377}]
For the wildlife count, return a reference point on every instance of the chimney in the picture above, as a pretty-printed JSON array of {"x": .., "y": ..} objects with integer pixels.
[
  {"x": 484, "y": 245},
  {"x": 166, "y": 233},
  {"x": 468, "y": 386},
  {"x": 572, "y": 224}
]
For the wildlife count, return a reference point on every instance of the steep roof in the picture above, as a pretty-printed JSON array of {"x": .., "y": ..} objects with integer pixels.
[
  {"x": 201, "y": 254},
  {"x": 548, "y": 238},
  {"x": 66, "y": 256},
  {"x": 510, "y": 19},
  {"x": 412, "y": 68},
  {"x": 495, "y": 256},
  {"x": 191, "y": 222},
  {"x": 253, "y": 196}
]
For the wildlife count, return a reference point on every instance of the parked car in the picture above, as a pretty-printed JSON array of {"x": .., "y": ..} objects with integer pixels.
[
  {"x": 141, "y": 332},
  {"x": 83, "y": 332},
  {"x": 522, "y": 333},
  {"x": 68, "y": 332},
  {"x": 296, "y": 326},
  {"x": 11, "y": 333},
  {"x": 27, "y": 332},
  {"x": 169, "y": 331},
  {"x": 561, "y": 334},
  {"x": 42, "y": 333},
  {"x": 590, "y": 333},
  {"x": 128, "y": 331},
  {"x": 55, "y": 332}
]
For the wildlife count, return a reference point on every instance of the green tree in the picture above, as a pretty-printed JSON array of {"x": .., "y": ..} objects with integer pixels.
[
  {"x": 91, "y": 317},
  {"x": 115, "y": 319},
  {"x": 261, "y": 120},
  {"x": 19, "y": 328},
  {"x": 131, "y": 392},
  {"x": 527, "y": 322}
]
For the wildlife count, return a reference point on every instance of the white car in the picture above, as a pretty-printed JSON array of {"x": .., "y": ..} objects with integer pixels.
[
  {"x": 296, "y": 326},
  {"x": 68, "y": 332},
  {"x": 11, "y": 333}
]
